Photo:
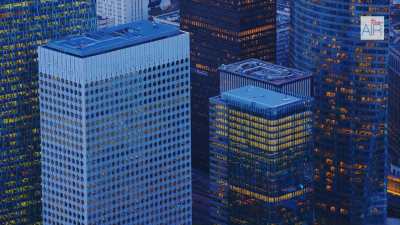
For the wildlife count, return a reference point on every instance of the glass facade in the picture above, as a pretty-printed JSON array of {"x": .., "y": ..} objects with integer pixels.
[
  {"x": 351, "y": 93},
  {"x": 282, "y": 32},
  {"x": 115, "y": 136},
  {"x": 24, "y": 25},
  {"x": 394, "y": 109},
  {"x": 394, "y": 84},
  {"x": 260, "y": 168},
  {"x": 222, "y": 32}
]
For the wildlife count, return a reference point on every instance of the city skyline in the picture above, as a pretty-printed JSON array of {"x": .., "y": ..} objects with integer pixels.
[{"x": 203, "y": 112}]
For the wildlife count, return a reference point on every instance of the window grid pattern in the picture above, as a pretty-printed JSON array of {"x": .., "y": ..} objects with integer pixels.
[
  {"x": 125, "y": 144},
  {"x": 351, "y": 96},
  {"x": 24, "y": 25},
  {"x": 260, "y": 168}
]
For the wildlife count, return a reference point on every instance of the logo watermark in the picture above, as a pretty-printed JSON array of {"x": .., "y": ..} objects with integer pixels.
[{"x": 372, "y": 28}]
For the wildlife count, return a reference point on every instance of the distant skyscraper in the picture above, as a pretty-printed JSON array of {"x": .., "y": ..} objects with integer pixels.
[
  {"x": 282, "y": 32},
  {"x": 266, "y": 75},
  {"x": 351, "y": 95},
  {"x": 115, "y": 127},
  {"x": 394, "y": 85},
  {"x": 24, "y": 25},
  {"x": 260, "y": 147},
  {"x": 394, "y": 109},
  {"x": 222, "y": 32},
  {"x": 122, "y": 11}
]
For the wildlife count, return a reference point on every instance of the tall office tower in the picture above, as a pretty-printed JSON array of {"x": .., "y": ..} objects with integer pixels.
[
  {"x": 115, "y": 12},
  {"x": 282, "y": 32},
  {"x": 260, "y": 147},
  {"x": 115, "y": 115},
  {"x": 24, "y": 25},
  {"x": 330, "y": 38},
  {"x": 265, "y": 75},
  {"x": 394, "y": 109},
  {"x": 222, "y": 32}
]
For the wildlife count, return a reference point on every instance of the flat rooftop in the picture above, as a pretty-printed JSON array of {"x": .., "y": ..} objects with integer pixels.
[
  {"x": 173, "y": 17},
  {"x": 114, "y": 38},
  {"x": 263, "y": 98},
  {"x": 264, "y": 71}
]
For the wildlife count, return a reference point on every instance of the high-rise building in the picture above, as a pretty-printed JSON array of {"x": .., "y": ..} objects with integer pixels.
[
  {"x": 259, "y": 73},
  {"x": 222, "y": 32},
  {"x": 115, "y": 12},
  {"x": 349, "y": 69},
  {"x": 282, "y": 32},
  {"x": 24, "y": 25},
  {"x": 260, "y": 168},
  {"x": 394, "y": 109},
  {"x": 394, "y": 85},
  {"x": 115, "y": 127}
]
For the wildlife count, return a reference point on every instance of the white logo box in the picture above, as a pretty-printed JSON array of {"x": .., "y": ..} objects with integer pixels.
[{"x": 372, "y": 28}]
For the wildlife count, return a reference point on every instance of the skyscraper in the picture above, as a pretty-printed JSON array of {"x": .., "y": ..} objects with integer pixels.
[
  {"x": 259, "y": 73},
  {"x": 115, "y": 127},
  {"x": 24, "y": 25},
  {"x": 222, "y": 32},
  {"x": 122, "y": 11},
  {"x": 394, "y": 109},
  {"x": 260, "y": 169},
  {"x": 351, "y": 91},
  {"x": 394, "y": 82},
  {"x": 282, "y": 32}
]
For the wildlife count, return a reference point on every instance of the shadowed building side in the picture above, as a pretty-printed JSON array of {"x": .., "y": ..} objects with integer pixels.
[{"x": 351, "y": 95}]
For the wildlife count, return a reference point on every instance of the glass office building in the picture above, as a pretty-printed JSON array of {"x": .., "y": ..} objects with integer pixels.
[
  {"x": 24, "y": 25},
  {"x": 115, "y": 127},
  {"x": 282, "y": 32},
  {"x": 222, "y": 32},
  {"x": 394, "y": 109},
  {"x": 351, "y": 94},
  {"x": 260, "y": 168},
  {"x": 394, "y": 84}
]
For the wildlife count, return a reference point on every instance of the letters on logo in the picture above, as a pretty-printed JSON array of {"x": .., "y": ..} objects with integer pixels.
[{"x": 372, "y": 28}]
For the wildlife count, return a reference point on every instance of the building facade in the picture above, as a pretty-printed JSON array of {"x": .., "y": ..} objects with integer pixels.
[
  {"x": 260, "y": 168},
  {"x": 351, "y": 92},
  {"x": 24, "y": 25},
  {"x": 115, "y": 115},
  {"x": 266, "y": 75},
  {"x": 394, "y": 82},
  {"x": 222, "y": 32},
  {"x": 115, "y": 12},
  {"x": 282, "y": 32},
  {"x": 394, "y": 109}
]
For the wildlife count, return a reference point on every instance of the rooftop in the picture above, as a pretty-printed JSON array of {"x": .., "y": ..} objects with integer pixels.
[
  {"x": 170, "y": 18},
  {"x": 114, "y": 38},
  {"x": 264, "y": 71},
  {"x": 263, "y": 98}
]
